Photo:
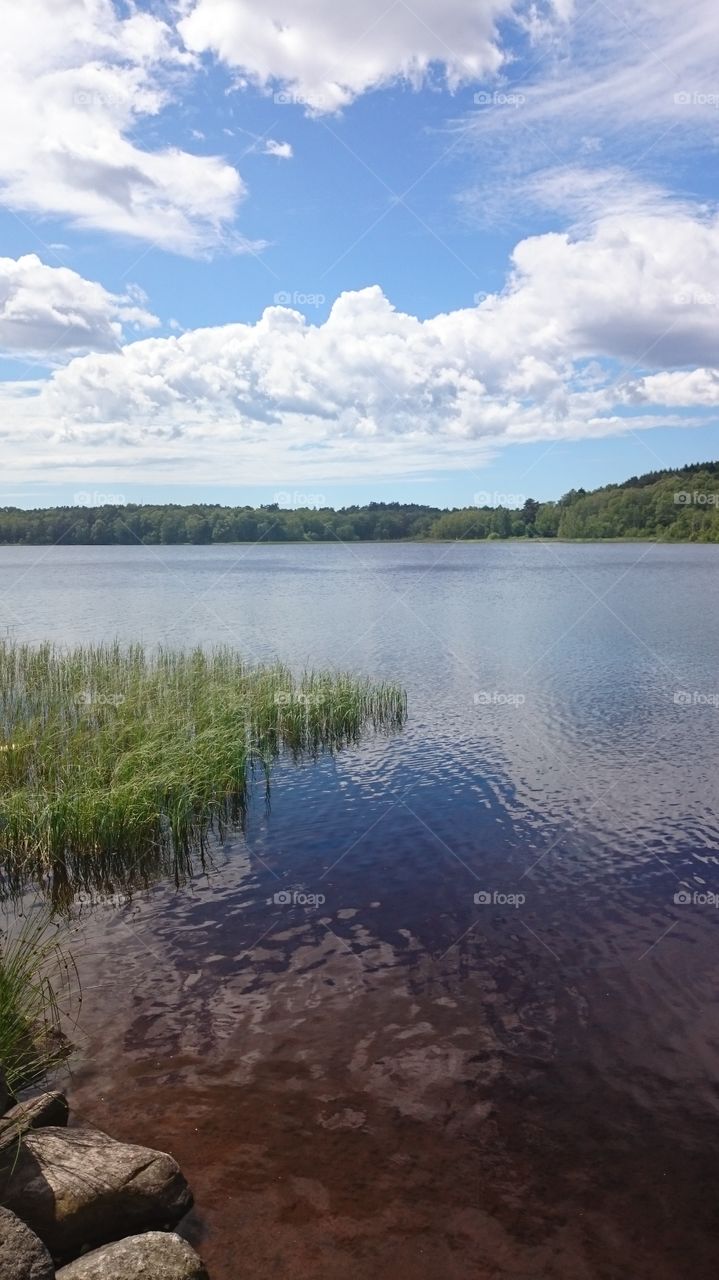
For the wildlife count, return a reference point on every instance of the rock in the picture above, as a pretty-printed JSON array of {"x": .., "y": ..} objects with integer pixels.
[
  {"x": 155, "y": 1256},
  {"x": 22, "y": 1255},
  {"x": 6, "y": 1098},
  {"x": 78, "y": 1188},
  {"x": 46, "y": 1109}
]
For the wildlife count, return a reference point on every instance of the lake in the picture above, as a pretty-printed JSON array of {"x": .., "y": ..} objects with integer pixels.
[{"x": 447, "y": 1005}]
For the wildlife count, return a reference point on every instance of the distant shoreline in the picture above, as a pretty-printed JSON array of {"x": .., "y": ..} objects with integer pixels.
[
  {"x": 369, "y": 542},
  {"x": 662, "y": 506}
]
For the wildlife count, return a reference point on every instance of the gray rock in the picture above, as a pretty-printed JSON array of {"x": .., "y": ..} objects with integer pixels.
[
  {"x": 22, "y": 1255},
  {"x": 47, "y": 1108},
  {"x": 78, "y": 1188},
  {"x": 155, "y": 1256}
]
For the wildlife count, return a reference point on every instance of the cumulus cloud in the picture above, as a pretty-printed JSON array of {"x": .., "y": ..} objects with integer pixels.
[
  {"x": 693, "y": 388},
  {"x": 51, "y": 312},
  {"x": 631, "y": 289},
  {"x": 76, "y": 79},
  {"x": 585, "y": 327},
  {"x": 326, "y": 54}
]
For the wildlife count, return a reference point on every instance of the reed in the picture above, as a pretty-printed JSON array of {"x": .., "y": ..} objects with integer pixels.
[
  {"x": 36, "y": 980},
  {"x": 108, "y": 752}
]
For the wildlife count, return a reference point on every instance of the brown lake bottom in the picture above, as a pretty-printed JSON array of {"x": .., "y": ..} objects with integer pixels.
[{"x": 344, "y": 1106}]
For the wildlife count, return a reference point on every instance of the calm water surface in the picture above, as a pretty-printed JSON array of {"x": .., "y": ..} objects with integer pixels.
[{"x": 485, "y": 1041}]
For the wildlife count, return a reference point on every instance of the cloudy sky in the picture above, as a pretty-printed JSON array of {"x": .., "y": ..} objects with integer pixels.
[{"x": 421, "y": 250}]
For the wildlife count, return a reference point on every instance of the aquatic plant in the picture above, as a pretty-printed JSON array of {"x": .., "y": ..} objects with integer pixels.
[
  {"x": 36, "y": 979},
  {"x": 108, "y": 752}
]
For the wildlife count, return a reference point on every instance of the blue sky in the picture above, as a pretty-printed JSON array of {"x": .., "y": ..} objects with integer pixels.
[{"x": 441, "y": 252}]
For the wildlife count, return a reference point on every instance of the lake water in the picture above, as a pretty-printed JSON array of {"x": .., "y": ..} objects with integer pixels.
[{"x": 482, "y": 1038}]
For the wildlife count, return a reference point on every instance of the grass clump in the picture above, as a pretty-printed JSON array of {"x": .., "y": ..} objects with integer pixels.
[
  {"x": 107, "y": 752},
  {"x": 35, "y": 977}
]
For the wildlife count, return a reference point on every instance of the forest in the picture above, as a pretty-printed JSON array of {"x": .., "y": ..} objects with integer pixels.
[{"x": 674, "y": 506}]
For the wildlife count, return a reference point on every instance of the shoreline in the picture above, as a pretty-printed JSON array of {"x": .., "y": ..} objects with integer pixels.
[{"x": 366, "y": 542}]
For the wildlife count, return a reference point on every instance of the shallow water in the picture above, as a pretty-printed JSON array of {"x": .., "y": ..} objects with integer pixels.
[{"x": 384, "y": 1076}]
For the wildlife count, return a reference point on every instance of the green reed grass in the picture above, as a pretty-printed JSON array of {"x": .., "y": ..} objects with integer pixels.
[
  {"x": 109, "y": 752},
  {"x": 36, "y": 977}
]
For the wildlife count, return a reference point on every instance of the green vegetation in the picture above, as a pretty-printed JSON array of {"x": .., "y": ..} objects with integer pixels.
[
  {"x": 648, "y": 506},
  {"x": 112, "y": 758},
  {"x": 34, "y": 977},
  {"x": 674, "y": 506}
]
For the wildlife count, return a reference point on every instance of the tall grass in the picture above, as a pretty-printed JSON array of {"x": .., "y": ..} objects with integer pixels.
[
  {"x": 109, "y": 754},
  {"x": 35, "y": 978}
]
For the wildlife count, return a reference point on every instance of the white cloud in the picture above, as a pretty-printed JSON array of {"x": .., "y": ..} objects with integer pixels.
[
  {"x": 326, "y": 54},
  {"x": 586, "y": 326},
  {"x": 639, "y": 78},
  {"x": 631, "y": 289},
  {"x": 283, "y": 150},
  {"x": 697, "y": 387},
  {"x": 588, "y": 194},
  {"x": 52, "y": 311},
  {"x": 75, "y": 81},
  {"x": 605, "y": 328},
  {"x": 621, "y": 94}
]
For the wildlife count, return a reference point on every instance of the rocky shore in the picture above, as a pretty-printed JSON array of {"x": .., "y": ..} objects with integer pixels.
[{"x": 76, "y": 1204}]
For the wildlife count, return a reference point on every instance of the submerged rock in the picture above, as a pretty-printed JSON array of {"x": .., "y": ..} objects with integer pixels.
[
  {"x": 155, "y": 1256},
  {"x": 46, "y": 1109},
  {"x": 79, "y": 1188},
  {"x": 22, "y": 1255}
]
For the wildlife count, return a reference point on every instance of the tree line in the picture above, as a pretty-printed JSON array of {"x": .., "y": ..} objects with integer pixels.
[{"x": 680, "y": 505}]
